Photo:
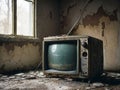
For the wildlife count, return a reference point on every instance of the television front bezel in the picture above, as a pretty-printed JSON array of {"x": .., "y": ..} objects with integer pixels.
[{"x": 48, "y": 41}]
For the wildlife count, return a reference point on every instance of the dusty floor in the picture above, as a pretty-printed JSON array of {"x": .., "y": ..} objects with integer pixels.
[{"x": 35, "y": 80}]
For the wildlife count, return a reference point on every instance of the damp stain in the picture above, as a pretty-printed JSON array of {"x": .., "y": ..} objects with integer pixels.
[{"x": 93, "y": 20}]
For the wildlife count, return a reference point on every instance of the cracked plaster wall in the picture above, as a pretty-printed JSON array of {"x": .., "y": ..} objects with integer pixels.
[{"x": 100, "y": 19}]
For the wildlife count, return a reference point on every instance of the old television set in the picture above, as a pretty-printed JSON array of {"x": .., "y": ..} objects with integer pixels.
[{"x": 73, "y": 56}]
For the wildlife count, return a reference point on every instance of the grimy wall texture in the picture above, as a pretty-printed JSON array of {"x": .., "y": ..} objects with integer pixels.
[
  {"x": 18, "y": 54},
  {"x": 99, "y": 19}
]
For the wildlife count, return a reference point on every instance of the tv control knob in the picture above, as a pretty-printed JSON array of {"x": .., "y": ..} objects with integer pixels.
[
  {"x": 84, "y": 54},
  {"x": 84, "y": 44}
]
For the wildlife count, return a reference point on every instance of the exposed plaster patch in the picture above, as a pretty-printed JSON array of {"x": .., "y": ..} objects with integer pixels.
[
  {"x": 108, "y": 31},
  {"x": 93, "y": 20},
  {"x": 101, "y": 19}
]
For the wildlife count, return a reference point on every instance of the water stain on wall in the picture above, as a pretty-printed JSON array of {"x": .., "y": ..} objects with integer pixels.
[
  {"x": 19, "y": 55},
  {"x": 93, "y": 20}
]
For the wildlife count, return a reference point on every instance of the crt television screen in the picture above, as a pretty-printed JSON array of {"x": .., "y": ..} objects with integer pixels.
[{"x": 61, "y": 55}]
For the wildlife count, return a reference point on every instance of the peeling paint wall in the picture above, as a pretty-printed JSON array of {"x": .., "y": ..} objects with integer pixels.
[
  {"x": 100, "y": 19},
  {"x": 18, "y": 55}
]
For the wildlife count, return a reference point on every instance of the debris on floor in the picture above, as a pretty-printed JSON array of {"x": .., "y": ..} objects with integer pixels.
[{"x": 36, "y": 80}]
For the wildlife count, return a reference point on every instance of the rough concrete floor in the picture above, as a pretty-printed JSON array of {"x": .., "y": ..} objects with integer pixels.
[{"x": 35, "y": 80}]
